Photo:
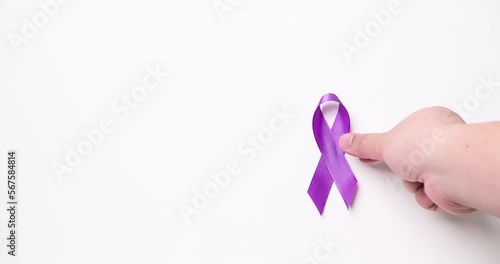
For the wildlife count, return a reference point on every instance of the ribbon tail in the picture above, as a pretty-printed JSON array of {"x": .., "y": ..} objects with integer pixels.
[
  {"x": 347, "y": 189},
  {"x": 344, "y": 179},
  {"x": 320, "y": 186}
]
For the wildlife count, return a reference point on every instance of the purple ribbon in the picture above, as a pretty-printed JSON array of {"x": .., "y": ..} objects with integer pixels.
[{"x": 332, "y": 166}]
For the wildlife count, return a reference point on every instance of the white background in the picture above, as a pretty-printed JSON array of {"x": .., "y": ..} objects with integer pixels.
[{"x": 121, "y": 204}]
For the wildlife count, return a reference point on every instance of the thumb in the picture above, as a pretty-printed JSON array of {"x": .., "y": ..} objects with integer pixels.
[{"x": 364, "y": 146}]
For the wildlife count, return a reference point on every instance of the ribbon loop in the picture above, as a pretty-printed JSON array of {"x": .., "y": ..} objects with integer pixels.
[{"x": 333, "y": 166}]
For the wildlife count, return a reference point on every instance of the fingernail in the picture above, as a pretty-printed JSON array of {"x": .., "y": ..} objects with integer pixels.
[{"x": 345, "y": 141}]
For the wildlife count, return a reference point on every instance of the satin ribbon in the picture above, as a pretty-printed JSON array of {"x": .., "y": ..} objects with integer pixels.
[{"x": 333, "y": 166}]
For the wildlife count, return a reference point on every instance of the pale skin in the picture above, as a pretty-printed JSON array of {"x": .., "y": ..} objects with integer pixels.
[{"x": 449, "y": 165}]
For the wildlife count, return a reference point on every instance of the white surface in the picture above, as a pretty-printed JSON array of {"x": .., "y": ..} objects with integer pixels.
[{"x": 121, "y": 204}]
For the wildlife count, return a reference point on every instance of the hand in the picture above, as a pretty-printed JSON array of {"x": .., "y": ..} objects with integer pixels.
[{"x": 418, "y": 150}]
